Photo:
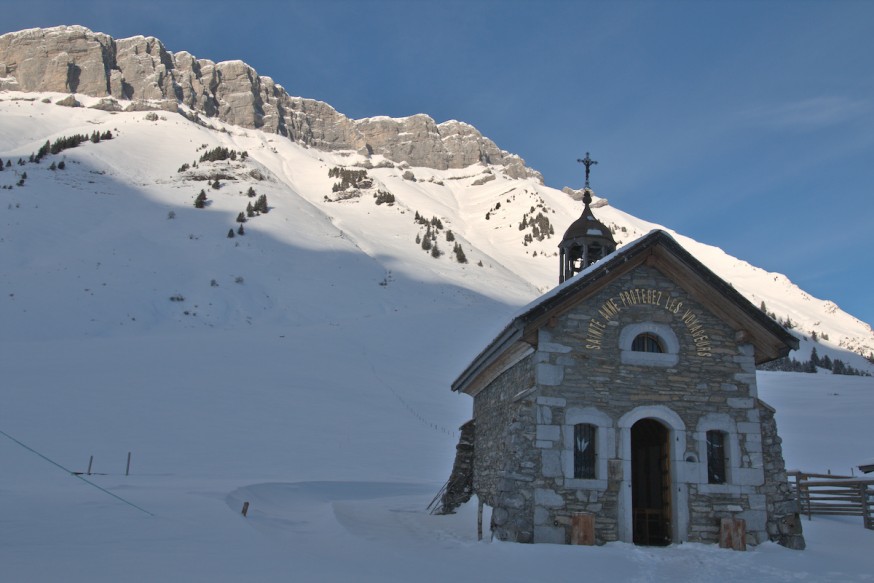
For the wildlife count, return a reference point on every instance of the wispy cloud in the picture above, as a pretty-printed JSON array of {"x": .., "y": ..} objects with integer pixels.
[{"x": 808, "y": 114}]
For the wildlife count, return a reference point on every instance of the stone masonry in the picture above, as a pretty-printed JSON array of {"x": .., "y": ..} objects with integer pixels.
[{"x": 581, "y": 372}]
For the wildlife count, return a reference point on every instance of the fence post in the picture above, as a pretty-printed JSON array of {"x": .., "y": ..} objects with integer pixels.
[
  {"x": 479, "y": 519},
  {"x": 807, "y": 496},
  {"x": 797, "y": 476},
  {"x": 866, "y": 507}
]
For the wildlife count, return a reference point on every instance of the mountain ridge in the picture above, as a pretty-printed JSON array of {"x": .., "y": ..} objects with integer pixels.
[{"x": 74, "y": 59}]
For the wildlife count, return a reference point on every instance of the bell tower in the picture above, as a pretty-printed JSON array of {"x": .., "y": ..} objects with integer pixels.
[{"x": 587, "y": 239}]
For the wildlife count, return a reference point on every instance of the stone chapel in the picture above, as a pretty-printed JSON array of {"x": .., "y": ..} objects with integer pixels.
[{"x": 627, "y": 394}]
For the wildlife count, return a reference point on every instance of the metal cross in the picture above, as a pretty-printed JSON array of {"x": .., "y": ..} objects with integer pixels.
[{"x": 588, "y": 163}]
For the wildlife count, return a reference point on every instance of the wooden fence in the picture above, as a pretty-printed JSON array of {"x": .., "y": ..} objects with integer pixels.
[{"x": 828, "y": 494}]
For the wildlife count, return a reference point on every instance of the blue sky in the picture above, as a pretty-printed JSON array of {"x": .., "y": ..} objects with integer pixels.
[{"x": 748, "y": 125}]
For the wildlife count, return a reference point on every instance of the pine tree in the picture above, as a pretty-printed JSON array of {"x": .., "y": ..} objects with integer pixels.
[
  {"x": 230, "y": 234},
  {"x": 200, "y": 201},
  {"x": 251, "y": 192},
  {"x": 241, "y": 230},
  {"x": 825, "y": 362},
  {"x": 250, "y": 211},
  {"x": 216, "y": 185},
  {"x": 241, "y": 218},
  {"x": 43, "y": 151},
  {"x": 1, "y": 165},
  {"x": 62, "y": 165},
  {"x": 814, "y": 357}
]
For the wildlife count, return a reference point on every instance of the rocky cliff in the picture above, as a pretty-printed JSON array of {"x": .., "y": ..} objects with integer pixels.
[{"x": 73, "y": 59}]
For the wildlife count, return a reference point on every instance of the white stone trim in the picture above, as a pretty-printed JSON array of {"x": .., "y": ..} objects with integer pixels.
[
  {"x": 718, "y": 422},
  {"x": 666, "y": 334},
  {"x": 605, "y": 441},
  {"x": 679, "y": 477}
]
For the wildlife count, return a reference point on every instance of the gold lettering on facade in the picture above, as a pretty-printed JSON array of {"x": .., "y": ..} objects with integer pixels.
[
  {"x": 609, "y": 309},
  {"x": 594, "y": 334},
  {"x": 651, "y": 297}
]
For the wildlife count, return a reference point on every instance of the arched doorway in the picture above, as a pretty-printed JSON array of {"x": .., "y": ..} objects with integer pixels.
[{"x": 650, "y": 483}]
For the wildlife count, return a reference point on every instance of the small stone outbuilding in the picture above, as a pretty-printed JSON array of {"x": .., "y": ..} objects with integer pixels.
[{"x": 628, "y": 393}]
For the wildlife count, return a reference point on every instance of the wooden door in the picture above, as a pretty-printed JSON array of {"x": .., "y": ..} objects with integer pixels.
[{"x": 650, "y": 483}]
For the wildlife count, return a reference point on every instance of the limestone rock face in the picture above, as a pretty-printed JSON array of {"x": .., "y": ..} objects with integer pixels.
[
  {"x": 451, "y": 144},
  {"x": 146, "y": 70},
  {"x": 73, "y": 59},
  {"x": 63, "y": 59}
]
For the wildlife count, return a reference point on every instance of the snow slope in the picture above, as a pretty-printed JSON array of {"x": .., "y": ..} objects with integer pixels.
[{"x": 303, "y": 367}]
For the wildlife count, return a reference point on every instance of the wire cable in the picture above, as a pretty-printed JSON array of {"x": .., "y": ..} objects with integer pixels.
[{"x": 74, "y": 474}]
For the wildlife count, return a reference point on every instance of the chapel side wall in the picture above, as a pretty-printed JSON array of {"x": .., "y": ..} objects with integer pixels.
[
  {"x": 784, "y": 524},
  {"x": 713, "y": 381},
  {"x": 504, "y": 463}
]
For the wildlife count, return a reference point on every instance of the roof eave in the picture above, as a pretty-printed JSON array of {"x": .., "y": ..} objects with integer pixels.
[{"x": 511, "y": 334}]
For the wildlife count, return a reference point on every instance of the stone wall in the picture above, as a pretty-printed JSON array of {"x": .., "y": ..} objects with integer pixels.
[
  {"x": 505, "y": 463},
  {"x": 784, "y": 524}
]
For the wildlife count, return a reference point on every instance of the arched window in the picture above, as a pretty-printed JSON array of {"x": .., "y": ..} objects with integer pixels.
[
  {"x": 585, "y": 450},
  {"x": 647, "y": 342}
]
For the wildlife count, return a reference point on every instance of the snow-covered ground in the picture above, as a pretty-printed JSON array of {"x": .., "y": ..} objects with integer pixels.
[
  {"x": 305, "y": 370},
  {"x": 338, "y": 449}
]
